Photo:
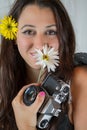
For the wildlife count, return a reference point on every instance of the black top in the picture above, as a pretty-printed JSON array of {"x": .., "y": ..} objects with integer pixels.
[
  {"x": 80, "y": 59},
  {"x": 64, "y": 123}
]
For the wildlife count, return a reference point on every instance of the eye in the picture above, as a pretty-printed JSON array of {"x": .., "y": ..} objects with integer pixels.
[
  {"x": 29, "y": 32},
  {"x": 51, "y": 32}
]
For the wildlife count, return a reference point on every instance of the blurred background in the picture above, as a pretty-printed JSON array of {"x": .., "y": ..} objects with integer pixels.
[{"x": 77, "y": 10}]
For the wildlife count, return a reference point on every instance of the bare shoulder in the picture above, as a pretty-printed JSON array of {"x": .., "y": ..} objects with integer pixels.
[
  {"x": 79, "y": 79},
  {"x": 79, "y": 97}
]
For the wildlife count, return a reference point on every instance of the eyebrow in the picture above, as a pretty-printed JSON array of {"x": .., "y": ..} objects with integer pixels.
[
  {"x": 28, "y": 25},
  {"x": 53, "y": 25}
]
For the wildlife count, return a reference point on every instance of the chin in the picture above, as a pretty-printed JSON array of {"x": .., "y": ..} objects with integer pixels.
[{"x": 37, "y": 67}]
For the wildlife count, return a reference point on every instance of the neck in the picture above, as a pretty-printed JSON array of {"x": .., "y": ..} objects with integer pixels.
[{"x": 33, "y": 74}]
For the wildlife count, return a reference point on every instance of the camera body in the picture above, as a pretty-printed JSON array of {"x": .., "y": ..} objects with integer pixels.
[{"x": 57, "y": 92}]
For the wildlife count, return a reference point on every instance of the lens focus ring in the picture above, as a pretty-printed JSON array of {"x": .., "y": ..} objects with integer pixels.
[{"x": 30, "y": 95}]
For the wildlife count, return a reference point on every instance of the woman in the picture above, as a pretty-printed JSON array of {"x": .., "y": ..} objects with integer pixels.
[{"x": 40, "y": 22}]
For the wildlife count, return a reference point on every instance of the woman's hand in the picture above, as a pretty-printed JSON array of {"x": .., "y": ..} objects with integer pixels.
[{"x": 26, "y": 116}]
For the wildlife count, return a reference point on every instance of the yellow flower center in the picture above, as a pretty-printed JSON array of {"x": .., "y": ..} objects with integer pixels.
[
  {"x": 45, "y": 57},
  {"x": 9, "y": 27}
]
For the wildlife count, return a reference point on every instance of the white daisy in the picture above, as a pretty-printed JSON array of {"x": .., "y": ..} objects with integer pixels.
[{"x": 48, "y": 57}]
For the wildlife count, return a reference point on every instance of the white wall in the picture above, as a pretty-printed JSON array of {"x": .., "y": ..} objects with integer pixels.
[
  {"x": 77, "y": 10},
  {"x": 4, "y": 7}
]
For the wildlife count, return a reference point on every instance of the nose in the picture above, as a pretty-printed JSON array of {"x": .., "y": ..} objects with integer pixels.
[{"x": 39, "y": 41}]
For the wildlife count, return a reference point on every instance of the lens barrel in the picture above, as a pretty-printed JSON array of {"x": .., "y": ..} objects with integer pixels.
[{"x": 30, "y": 95}]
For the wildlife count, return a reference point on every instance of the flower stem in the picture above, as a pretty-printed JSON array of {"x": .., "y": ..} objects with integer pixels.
[{"x": 40, "y": 74}]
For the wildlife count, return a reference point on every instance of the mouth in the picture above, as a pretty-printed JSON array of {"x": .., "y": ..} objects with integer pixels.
[{"x": 33, "y": 54}]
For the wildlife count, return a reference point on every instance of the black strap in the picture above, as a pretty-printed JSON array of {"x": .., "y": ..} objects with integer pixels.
[{"x": 80, "y": 59}]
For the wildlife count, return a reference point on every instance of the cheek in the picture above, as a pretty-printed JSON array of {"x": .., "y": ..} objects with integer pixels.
[
  {"x": 54, "y": 43},
  {"x": 23, "y": 43}
]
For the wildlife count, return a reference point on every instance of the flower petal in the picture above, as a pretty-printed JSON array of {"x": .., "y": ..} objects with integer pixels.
[
  {"x": 8, "y": 27},
  {"x": 48, "y": 57}
]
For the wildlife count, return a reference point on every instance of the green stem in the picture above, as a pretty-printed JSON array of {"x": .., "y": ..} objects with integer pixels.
[{"x": 39, "y": 77}]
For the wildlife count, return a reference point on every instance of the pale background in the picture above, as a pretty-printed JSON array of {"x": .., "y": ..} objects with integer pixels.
[{"x": 77, "y": 10}]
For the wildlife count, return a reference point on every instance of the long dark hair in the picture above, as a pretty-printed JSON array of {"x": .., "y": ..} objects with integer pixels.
[{"x": 12, "y": 66}]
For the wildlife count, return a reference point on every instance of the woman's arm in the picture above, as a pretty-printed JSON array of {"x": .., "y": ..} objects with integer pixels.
[
  {"x": 26, "y": 116},
  {"x": 79, "y": 98},
  {"x": 29, "y": 128}
]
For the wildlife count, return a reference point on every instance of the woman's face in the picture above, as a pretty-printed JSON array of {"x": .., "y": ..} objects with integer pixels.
[{"x": 36, "y": 27}]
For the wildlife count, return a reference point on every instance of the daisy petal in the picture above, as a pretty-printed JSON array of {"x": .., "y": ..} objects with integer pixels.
[{"x": 48, "y": 57}]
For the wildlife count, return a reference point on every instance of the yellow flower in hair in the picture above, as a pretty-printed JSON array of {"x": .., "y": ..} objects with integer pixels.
[{"x": 8, "y": 27}]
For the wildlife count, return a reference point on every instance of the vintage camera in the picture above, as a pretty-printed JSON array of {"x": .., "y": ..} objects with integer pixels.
[{"x": 57, "y": 92}]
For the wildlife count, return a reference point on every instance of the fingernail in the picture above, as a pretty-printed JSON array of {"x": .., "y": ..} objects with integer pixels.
[{"x": 42, "y": 93}]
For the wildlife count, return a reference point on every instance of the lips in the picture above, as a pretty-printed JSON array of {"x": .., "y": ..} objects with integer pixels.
[{"x": 33, "y": 54}]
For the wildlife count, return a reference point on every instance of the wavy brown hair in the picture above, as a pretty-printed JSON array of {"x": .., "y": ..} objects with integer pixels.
[{"x": 12, "y": 66}]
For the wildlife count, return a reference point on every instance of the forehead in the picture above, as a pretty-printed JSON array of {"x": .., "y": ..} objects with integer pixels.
[{"x": 34, "y": 13}]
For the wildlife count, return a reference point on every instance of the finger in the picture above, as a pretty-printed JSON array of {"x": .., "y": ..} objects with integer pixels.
[{"x": 39, "y": 100}]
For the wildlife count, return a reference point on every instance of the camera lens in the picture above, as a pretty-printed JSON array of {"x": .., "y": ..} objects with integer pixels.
[
  {"x": 44, "y": 123},
  {"x": 30, "y": 95}
]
